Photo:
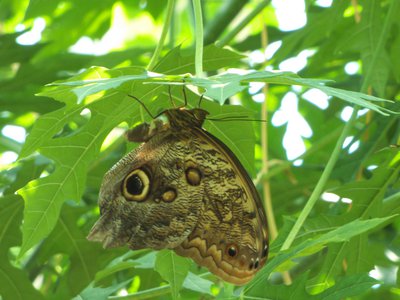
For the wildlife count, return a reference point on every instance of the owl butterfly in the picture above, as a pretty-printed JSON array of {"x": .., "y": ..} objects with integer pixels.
[{"x": 183, "y": 189}]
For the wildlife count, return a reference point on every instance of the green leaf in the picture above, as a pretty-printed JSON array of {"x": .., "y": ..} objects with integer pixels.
[
  {"x": 345, "y": 287},
  {"x": 47, "y": 126},
  {"x": 173, "y": 269},
  {"x": 24, "y": 171},
  {"x": 374, "y": 36},
  {"x": 85, "y": 258},
  {"x": 367, "y": 197},
  {"x": 218, "y": 87},
  {"x": 14, "y": 283},
  {"x": 334, "y": 44},
  {"x": 319, "y": 30},
  {"x": 121, "y": 263},
  {"x": 198, "y": 284},
  {"x": 341, "y": 234},
  {"x": 281, "y": 292},
  {"x": 214, "y": 58},
  {"x": 99, "y": 293},
  {"x": 11, "y": 216},
  {"x": 221, "y": 87},
  {"x": 354, "y": 285},
  {"x": 225, "y": 85},
  {"x": 98, "y": 79},
  {"x": 72, "y": 155}
]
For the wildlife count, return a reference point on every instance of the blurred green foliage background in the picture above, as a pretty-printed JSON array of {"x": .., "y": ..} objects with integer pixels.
[{"x": 56, "y": 142}]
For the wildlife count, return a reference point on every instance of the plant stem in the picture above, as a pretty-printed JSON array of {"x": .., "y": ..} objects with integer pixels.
[
  {"x": 199, "y": 38},
  {"x": 285, "y": 165},
  {"x": 379, "y": 46},
  {"x": 321, "y": 183},
  {"x": 226, "y": 39},
  {"x": 226, "y": 13},
  {"x": 157, "y": 52},
  {"x": 273, "y": 229},
  {"x": 146, "y": 294},
  {"x": 150, "y": 293},
  {"x": 336, "y": 151},
  {"x": 10, "y": 144}
]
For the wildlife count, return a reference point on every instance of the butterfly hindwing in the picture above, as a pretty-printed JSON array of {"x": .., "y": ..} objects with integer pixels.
[{"x": 230, "y": 238}]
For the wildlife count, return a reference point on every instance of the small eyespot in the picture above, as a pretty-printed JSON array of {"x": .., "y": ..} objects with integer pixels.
[
  {"x": 251, "y": 265},
  {"x": 193, "y": 176},
  {"x": 135, "y": 186},
  {"x": 256, "y": 264},
  {"x": 169, "y": 195},
  {"x": 232, "y": 250},
  {"x": 265, "y": 250}
]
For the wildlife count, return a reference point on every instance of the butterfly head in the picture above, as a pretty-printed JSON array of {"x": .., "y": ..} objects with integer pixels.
[{"x": 185, "y": 118}]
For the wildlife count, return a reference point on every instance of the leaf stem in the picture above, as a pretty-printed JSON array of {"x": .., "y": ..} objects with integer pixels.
[
  {"x": 226, "y": 39},
  {"x": 199, "y": 38},
  {"x": 285, "y": 165},
  {"x": 10, "y": 144},
  {"x": 379, "y": 46},
  {"x": 336, "y": 151},
  {"x": 157, "y": 52},
  {"x": 220, "y": 21},
  {"x": 321, "y": 183},
  {"x": 146, "y": 294},
  {"x": 150, "y": 293},
  {"x": 273, "y": 229}
]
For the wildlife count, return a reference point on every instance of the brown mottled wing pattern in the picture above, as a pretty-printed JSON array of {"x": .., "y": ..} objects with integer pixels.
[
  {"x": 153, "y": 222},
  {"x": 230, "y": 237},
  {"x": 185, "y": 190}
]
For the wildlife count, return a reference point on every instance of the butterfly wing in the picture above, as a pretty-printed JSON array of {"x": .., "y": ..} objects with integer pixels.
[
  {"x": 144, "y": 199},
  {"x": 230, "y": 237},
  {"x": 185, "y": 190}
]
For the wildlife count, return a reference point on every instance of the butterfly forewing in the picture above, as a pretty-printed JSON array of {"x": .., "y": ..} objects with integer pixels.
[{"x": 185, "y": 190}]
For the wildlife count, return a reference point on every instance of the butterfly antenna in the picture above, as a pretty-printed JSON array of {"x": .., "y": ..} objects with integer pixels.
[
  {"x": 201, "y": 98},
  {"x": 170, "y": 97},
  {"x": 144, "y": 106},
  {"x": 235, "y": 118},
  {"x": 184, "y": 94}
]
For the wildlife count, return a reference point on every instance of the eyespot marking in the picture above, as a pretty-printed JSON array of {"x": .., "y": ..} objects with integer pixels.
[
  {"x": 232, "y": 250},
  {"x": 193, "y": 176},
  {"x": 169, "y": 195},
  {"x": 265, "y": 250},
  {"x": 251, "y": 265},
  {"x": 136, "y": 185},
  {"x": 256, "y": 264}
]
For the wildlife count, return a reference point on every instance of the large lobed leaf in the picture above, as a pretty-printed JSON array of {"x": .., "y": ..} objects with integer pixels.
[
  {"x": 14, "y": 283},
  {"x": 340, "y": 234},
  {"x": 345, "y": 287},
  {"x": 173, "y": 269},
  {"x": 72, "y": 156},
  {"x": 74, "y": 153},
  {"x": 84, "y": 258},
  {"x": 221, "y": 86},
  {"x": 367, "y": 202}
]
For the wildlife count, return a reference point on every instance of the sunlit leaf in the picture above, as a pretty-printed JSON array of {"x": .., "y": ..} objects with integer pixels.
[{"x": 173, "y": 269}]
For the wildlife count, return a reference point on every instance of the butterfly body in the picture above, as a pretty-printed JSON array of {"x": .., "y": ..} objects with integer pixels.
[{"x": 183, "y": 189}]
